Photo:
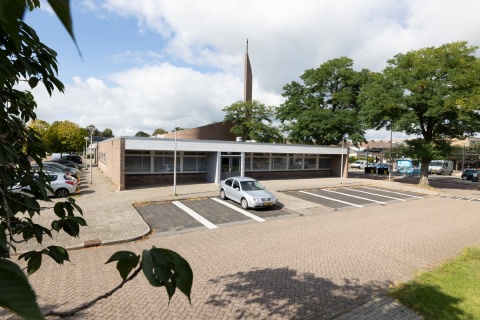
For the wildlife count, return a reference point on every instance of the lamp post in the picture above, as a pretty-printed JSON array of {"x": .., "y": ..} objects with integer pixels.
[
  {"x": 86, "y": 148},
  {"x": 341, "y": 165},
  {"x": 91, "y": 129}
]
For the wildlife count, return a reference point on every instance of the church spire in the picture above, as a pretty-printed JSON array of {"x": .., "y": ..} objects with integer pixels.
[{"x": 247, "y": 93}]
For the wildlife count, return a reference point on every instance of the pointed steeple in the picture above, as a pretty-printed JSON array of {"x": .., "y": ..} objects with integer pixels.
[{"x": 247, "y": 93}]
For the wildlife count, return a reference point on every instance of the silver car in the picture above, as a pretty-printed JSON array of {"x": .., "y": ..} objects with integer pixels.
[
  {"x": 246, "y": 191},
  {"x": 62, "y": 185}
]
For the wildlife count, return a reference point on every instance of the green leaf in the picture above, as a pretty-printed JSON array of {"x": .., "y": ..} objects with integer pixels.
[
  {"x": 71, "y": 227},
  {"x": 127, "y": 261},
  {"x": 57, "y": 253},
  {"x": 78, "y": 220},
  {"x": 17, "y": 294},
  {"x": 32, "y": 82},
  {"x": 59, "y": 210},
  {"x": 62, "y": 9},
  {"x": 34, "y": 263},
  {"x": 3, "y": 238}
]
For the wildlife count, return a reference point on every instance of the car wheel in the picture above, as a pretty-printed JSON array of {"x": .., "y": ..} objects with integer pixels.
[
  {"x": 61, "y": 193},
  {"x": 222, "y": 194},
  {"x": 464, "y": 178},
  {"x": 244, "y": 203}
]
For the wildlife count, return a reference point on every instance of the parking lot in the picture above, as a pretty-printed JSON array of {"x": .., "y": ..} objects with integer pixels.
[
  {"x": 170, "y": 217},
  {"x": 354, "y": 197},
  {"x": 180, "y": 216}
]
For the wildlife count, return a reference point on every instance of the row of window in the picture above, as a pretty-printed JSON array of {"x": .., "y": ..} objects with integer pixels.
[
  {"x": 284, "y": 161},
  {"x": 163, "y": 161}
]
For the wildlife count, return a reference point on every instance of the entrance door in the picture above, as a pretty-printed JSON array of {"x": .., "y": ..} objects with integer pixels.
[{"x": 230, "y": 167}]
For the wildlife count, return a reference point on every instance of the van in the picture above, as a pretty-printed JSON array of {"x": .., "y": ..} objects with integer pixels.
[
  {"x": 440, "y": 167},
  {"x": 359, "y": 164}
]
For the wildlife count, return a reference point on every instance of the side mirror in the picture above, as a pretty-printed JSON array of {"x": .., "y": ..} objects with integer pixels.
[{"x": 238, "y": 189}]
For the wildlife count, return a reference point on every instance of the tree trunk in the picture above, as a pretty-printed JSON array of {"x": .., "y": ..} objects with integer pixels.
[{"x": 424, "y": 173}]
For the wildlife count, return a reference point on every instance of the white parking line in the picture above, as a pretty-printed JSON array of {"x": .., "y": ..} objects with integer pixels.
[
  {"x": 403, "y": 194},
  {"x": 376, "y": 194},
  {"x": 317, "y": 195},
  {"x": 195, "y": 215},
  {"x": 349, "y": 195},
  {"x": 231, "y": 206}
]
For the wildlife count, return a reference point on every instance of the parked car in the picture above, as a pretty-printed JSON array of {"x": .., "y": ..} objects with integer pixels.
[
  {"x": 468, "y": 174},
  {"x": 67, "y": 163},
  {"x": 246, "y": 191},
  {"x": 381, "y": 165},
  {"x": 360, "y": 164},
  {"x": 73, "y": 157},
  {"x": 56, "y": 167},
  {"x": 62, "y": 185}
]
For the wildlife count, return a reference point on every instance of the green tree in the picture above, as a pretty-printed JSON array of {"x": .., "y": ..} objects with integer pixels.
[
  {"x": 64, "y": 136},
  {"x": 95, "y": 133},
  {"x": 23, "y": 57},
  {"x": 252, "y": 120},
  {"x": 40, "y": 126},
  {"x": 159, "y": 131},
  {"x": 324, "y": 108},
  {"x": 107, "y": 133},
  {"x": 433, "y": 93},
  {"x": 141, "y": 134}
]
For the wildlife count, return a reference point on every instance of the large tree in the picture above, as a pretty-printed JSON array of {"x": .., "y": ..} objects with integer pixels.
[
  {"x": 252, "y": 120},
  {"x": 64, "y": 136},
  {"x": 24, "y": 58},
  {"x": 432, "y": 93},
  {"x": 324, "y": 108}
]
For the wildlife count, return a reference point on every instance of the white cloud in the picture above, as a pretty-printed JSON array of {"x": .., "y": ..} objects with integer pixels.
[{"x": 285, "y": 38}]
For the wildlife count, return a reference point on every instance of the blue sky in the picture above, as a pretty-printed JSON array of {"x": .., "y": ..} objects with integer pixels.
[{"x": 150, "y": 64}]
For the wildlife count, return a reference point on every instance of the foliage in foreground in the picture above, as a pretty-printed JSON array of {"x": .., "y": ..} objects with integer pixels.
[
  {"x": 448, "y": 292},
  {"x": 24, "y": 58}
]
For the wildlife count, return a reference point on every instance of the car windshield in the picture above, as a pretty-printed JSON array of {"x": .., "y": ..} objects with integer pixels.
[
  {"x": 251, "y": 185},
  {"x": 436, "y": 164}
]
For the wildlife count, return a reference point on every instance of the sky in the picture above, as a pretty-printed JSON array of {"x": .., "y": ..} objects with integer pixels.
[{"x": 149, "y": 64}]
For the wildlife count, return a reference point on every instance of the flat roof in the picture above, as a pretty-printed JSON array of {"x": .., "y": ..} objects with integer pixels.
[{"x": 162, "y": 144}]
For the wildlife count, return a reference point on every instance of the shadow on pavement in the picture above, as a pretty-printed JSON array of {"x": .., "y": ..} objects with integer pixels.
[{"x": 286, "y": 293}]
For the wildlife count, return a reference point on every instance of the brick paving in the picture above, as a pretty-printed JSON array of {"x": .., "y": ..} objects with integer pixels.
[{"x": 320, "y": 264}]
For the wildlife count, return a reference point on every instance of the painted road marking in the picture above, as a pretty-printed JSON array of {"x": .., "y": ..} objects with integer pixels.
[
  {"x": 403, "y": 194},
  {"x": 349, "y": 195},
  {"x": 317, "y": 195},
  {"x": 244, "y": 212},
  {"x": 195, "y": 215},
  {"x": 375, "y": 194}
]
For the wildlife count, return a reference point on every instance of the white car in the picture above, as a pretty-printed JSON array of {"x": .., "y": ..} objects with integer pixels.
[
  {"x": 61, "y": 184},
  {"x": 246, "y": 191},
  {"x": 359, "y": 164}
]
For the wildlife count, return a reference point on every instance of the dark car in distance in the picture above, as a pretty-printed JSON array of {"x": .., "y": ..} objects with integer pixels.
[
  {"x": 73, "y": 157},
  {"x": 468, "y": 174}
]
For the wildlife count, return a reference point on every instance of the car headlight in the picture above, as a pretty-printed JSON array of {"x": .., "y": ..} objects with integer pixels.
[{"x": 256, "y": 200}]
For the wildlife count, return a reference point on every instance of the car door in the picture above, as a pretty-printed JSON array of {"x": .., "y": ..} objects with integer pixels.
[{"x": 236, "y": 194}]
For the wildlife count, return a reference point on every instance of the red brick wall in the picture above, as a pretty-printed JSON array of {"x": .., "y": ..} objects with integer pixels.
[{"x": 215, "y": 131}]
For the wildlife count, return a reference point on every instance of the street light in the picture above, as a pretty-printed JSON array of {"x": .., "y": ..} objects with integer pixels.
[
  {"x": 91, "y": 129},
  {"x": 341, "y": 165},
  {"x": 86, "y": 148}
]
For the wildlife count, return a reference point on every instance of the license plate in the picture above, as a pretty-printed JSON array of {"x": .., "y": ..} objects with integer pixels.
[{"x": 267, "y": 203}]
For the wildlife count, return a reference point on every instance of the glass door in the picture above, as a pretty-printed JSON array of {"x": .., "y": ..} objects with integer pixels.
[{"x": 230, "y": 167}]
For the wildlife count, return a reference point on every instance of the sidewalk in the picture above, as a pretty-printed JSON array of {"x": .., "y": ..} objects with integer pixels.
[{"x": 112, "y": 219}]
